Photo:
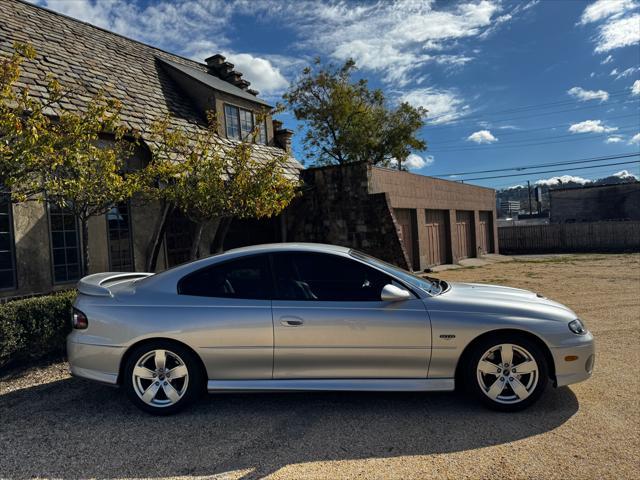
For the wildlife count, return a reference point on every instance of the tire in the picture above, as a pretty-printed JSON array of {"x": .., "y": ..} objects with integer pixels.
[
  {"x": 162, "y": 377},
  {"x": 501, "y": 388}
]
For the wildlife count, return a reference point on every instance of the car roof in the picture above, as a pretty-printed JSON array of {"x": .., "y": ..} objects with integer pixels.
[{"x": 286, "y": 246}]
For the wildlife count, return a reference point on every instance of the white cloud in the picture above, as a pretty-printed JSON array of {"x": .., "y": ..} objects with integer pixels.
[
  {"x": 609, "y": 59},
  {"x": 602, "y": 9},
  {"x": 625, "y": 73},
  {"x": 482, "y": 136},
  {"x": 625, "y": 174},
  {"x": 591, "y": 126},
  {"x": 617, "y": 33},
  {"x": 563, "y": 179},
  {"x": 396, "y": 38},
  {"x": 584, "y": 95},
  {"x": 443, "y": 106},
  {"x": 262, "y": 74},
  {"x": 617, "y": 26},
  {"x": 414, "y": 162},
  {"x": 635, "y": 88},
  {"x": 614, "y": 139},
  {"x": 635, "y": 140}
]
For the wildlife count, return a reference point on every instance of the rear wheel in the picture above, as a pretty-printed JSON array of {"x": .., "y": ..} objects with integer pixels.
[
  {"x": 162, "y": 377},
  {"x": 506, "y": 372}
]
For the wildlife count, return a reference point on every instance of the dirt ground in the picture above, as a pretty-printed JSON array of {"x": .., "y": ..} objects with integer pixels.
[{"x": 52, "y": 425}]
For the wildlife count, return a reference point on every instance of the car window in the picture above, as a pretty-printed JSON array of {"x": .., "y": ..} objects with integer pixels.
[
  {"x": 324, "y": 277},
  {"x": 246, "y": 277}
]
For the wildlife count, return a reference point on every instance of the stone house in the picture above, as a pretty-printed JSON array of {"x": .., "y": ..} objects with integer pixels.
[
  {"x": 39, "y": 243},
  {"x": 411, "y": 220}
]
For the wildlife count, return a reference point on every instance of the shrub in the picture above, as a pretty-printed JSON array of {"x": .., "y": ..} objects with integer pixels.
[{"x": 34, "y": 328}]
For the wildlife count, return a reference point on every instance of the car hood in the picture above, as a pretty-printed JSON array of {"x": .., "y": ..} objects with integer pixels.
[{"x": 505, "y": 300}]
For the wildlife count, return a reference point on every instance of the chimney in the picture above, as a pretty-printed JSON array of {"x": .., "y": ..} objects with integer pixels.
[
  {"x": 243, "y": 84},
  {"x": 282, "y": 136},
  {"x": 215, "y": 60}
]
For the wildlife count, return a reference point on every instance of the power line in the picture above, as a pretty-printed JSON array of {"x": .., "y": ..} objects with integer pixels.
[
  {"x": 525, "y": 130},
  {"x": 539, "y": 106},
  {"x": 542, "y": 165},
  {"x": 579, "y": 135},
  {"x": 605, "y": 171},
  {"x": 533, "y": 144},
  {"x": 551, "y": 171},
  {"x": 586, "y": 107},
  {"x": 535, "y": 106}
]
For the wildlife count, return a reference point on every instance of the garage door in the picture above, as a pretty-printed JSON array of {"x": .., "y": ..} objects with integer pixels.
[
  {"x": 464, "y": 230},
  {"x": 436, "y": 222},
  {"x": 485, "y": 235}
]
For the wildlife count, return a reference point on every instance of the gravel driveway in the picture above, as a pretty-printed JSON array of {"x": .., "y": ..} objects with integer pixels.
[{"x": 56, "y": 426}]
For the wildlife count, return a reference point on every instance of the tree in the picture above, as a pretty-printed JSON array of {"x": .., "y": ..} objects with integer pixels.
[
  {"x": 74, "y": 159},
  {"x": 346, "y": 121},
  {"x": 212, "y": 182}
]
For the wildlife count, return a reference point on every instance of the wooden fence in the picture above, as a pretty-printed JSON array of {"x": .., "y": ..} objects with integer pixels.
[{"x": 570, "y": 237}]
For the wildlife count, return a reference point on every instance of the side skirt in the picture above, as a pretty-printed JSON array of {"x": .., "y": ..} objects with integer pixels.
[{"x": 364, "y": 385}]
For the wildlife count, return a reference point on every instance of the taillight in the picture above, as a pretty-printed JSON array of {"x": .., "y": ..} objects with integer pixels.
[{"x": 79, "y": 319}]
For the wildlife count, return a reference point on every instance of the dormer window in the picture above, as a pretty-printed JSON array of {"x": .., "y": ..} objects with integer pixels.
[{"x": 239, "y": 124}]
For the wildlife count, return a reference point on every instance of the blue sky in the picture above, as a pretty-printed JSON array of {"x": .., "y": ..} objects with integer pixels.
[{"x": 507, "y": 83}]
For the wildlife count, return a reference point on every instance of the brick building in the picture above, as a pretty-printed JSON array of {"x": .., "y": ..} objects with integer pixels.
[
  {"x": 595, "y": 203},
  {"x": 407, "y": 219}
]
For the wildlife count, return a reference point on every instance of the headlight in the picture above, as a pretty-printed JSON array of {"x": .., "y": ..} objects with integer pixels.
[{"x": 577, "y": 327}]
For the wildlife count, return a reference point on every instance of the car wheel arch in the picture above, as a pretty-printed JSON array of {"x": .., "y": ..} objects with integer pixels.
[
  {"x": 462, "y": 359},
  {"x": 133, "y": 346}
]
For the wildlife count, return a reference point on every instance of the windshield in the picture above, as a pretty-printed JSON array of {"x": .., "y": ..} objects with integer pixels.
[{"x": 432, "y": 286}]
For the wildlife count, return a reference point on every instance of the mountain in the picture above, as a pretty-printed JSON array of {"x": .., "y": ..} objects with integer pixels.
[{"x": 520, "y": 192}]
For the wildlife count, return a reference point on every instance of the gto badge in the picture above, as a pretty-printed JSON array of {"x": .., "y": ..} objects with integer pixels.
[{"x": 447, "y": 337}]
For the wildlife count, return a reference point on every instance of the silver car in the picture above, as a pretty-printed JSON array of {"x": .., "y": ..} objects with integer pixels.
[{"x": 318, "y": 317}]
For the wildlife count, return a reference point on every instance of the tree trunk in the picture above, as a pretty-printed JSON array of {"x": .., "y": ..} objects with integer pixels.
[
  {"x": 84, "y": 230},
  {"x": 158, "y": 234},
  {"x": 195, "y": 242},
  {"x": 221, "y": 234}
]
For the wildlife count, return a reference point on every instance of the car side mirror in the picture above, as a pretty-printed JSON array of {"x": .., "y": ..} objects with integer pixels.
[{"x": 391, "y": 293}]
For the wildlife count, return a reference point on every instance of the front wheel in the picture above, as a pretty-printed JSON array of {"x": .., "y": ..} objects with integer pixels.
[
  {"x": 506, "y": 372},
  {"x": 162, "y": 377}
]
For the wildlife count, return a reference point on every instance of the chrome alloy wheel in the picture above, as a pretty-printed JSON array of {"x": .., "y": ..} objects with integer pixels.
[
  {"x": 507, "y": 373},
  {"x": 160, "y": 378}
]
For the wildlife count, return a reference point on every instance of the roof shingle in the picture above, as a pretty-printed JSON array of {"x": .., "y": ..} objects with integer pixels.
[{"x": 88, "y": 59}]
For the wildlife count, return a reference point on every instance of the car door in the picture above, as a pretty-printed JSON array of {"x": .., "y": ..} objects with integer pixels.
[
  {"x": 329, "y": 321},
  {"x": 227, "y": 307}
]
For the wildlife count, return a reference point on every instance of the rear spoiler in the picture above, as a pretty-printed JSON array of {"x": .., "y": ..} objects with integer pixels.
[{"x": 98, "y": 284}]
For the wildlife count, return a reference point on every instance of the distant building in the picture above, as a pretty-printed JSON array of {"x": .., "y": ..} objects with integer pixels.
[
  {"x": 509, "y": 207},
  {"x": 595, "y": 203}
]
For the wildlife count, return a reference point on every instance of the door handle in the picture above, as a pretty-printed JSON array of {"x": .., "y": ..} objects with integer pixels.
[{"x": 291, "y": 321}]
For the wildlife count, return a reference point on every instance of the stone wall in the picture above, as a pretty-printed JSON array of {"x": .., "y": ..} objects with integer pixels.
[{"x": 337, "y": 208}]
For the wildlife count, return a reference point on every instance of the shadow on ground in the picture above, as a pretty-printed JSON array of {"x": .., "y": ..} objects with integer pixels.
[{"x": 72, "y": 429}]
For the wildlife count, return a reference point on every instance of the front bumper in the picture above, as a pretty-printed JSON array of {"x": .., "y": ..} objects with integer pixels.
[
  {"x": 100, "y": 363},
  {"x": 570, "y": 369}
]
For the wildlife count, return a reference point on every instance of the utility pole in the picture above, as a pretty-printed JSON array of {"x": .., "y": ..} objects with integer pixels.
[{"x": 529, "y": 191}]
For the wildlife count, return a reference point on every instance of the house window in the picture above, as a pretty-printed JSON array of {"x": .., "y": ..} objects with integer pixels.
[
  {"x": 246, "y": 123},
  {"x": 232, "y": 121},
  {"x": 7, "y": 260},
  {"x": 65, "y": 245},
  {"x": 120, "y": 241},
  {"x": 240, "y": 122}
]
